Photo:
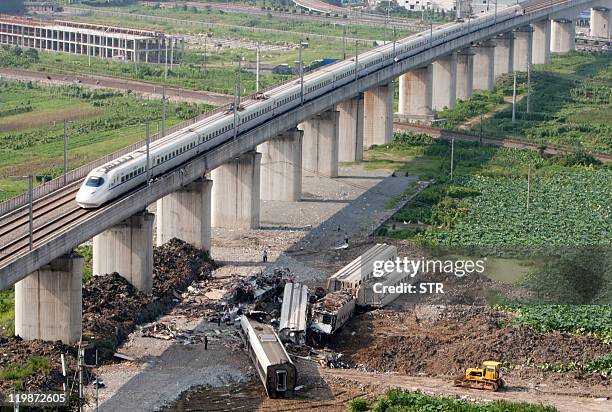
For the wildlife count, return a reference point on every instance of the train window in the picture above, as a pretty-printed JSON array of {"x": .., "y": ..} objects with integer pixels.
[
  {"x": 94, "y": 181},
  {"x": 281, "y": 380}
]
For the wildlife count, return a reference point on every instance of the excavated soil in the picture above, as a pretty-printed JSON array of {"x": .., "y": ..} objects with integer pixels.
[
  {"x": 444, "y": 340},
  {"x": 112, "y": 308}
]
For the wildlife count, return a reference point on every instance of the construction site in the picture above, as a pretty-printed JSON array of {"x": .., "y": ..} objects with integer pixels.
[{"x": 106, "y": 42}]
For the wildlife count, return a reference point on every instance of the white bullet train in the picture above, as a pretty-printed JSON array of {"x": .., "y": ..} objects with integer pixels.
[{"x": 119, "y": 176}]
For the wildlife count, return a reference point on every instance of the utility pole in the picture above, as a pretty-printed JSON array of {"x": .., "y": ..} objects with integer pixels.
[
  {"x": 166, "y": 59},
  {"x": 528, "y": 186},
  {"x": 237, "y": 99},
  {"x": 148, "y": 137},
  {"x": 65, "y": 150},
  {"x": 301, "y": 69},
  {"x": 171, "y": 53},
  {"x": 31, "y": 210},
  {"x": 257, "y": 70},
  {"x": 205, "y": 51},
  {"x": 356, "y": 60},
  {"x": 528, "y": 87},
  {"x": 514, "y": 100},
  {"x": 386, "y": 22},
  {"x": 344, "y": 42},
  {"x": 394, "y": 41},
  {"x": 452, "y": 157},
  {"x": 164, "y": 102}
]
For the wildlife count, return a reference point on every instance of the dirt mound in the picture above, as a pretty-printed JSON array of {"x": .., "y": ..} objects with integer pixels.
[
  {"x": 451, "y": 339},
  {"x": 112, "y": 307},
  {"x": 15, "y": 352}
]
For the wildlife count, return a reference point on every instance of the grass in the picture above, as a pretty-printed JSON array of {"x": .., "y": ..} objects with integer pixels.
[
  {"x": 249, "y": 21},
  {"x": 398, "y": 400},
  {"x": 18, "y": 373},
  {"x": 102, "y": 122},
  {"x": 484, "y": 204},
  {"x": 571, "y": 105},
  {"x": 7, "y": 312}
]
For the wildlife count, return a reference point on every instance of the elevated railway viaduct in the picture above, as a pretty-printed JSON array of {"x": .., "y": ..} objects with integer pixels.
[{"x": 262, "y": 162}]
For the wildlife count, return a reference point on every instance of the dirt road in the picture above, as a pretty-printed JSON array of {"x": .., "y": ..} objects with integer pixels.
[
  {"x": 438, "y": 386},
  {"x": 146, "y": 89}
]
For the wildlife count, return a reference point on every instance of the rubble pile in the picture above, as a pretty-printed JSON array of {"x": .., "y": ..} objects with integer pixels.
[
  {"x": 16, "y": 352},
  {"x": 450, "y": 339},
  {"x": 112, "y": 307}
]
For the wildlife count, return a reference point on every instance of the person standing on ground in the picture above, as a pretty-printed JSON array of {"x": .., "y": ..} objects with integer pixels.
[
  {"x": 205, "y": 342},
  {"x": 346, "y": 238},
  {"x": 265, "y": 256}
]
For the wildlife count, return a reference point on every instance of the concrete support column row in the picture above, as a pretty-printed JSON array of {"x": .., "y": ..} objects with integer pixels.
[
  {"x": 465, "y": 74},
  {"x": 48, "y": 303},
  {"x": 541, "y": 42},
  {"x": 523, "y": 48},
  {"x": 484, "y": 65},
  {"x": 185, "y": 214},
  {"x": 378, "y": 115},
  {"x": 444, "y": 82},
  {"x": 281, "y": 167},
  {"x": 563, "y": 37},
  {"x": 350, "y": 145},
  {"x": 415, "y": 93},
  {"x": 320, "y": 150},
  {"x": 504, "y": 54},
  {"x": 236, "y": 193},
  {"x": 127, "y": 248},
  {"x": 600, "y": 22}
]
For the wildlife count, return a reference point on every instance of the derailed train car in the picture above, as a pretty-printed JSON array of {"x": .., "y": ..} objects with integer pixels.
[
  {"x": 332, "y": 311},
  {"x": 294, "y": 313},
  {"x": 272, "y": 362}
]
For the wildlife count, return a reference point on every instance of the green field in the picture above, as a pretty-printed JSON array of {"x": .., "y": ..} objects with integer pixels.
[
  {"x": 100, "y": 122},
  {"x": 253, "y": 21},
  {"x": 571, "y": 104},
  {"x": 398, "y": 400},
  {"x": 485, "y": 205}
]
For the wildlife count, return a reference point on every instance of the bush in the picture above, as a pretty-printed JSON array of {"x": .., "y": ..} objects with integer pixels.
[{"x": 358, "y": 405}]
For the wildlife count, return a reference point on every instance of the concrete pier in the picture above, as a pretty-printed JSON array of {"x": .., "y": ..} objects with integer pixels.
[
  {"x": 444, "y": 82},
  {"x": 522, "y": 48},
  {"x": 484, "y": 65},
  {"x": 281, "y": 167},
  {"x": 236, "y": 193},
  {"x": 563, "y": 37},
  {"x": 504, "y": 54},
  {"x": 540, "y": 44},
  {"x": 127, "y": 248},
  {"x": 415, "y": 93},
  {"x": 465, "y": 74},
  {"x": 600, "y": 23},
  {"x": 350, "y": 143},
  {"x": 185, "y": 214},
  {"x": 378, "y": 115},
  {"x": 48, "y": 303},
  {"x": 320, "y": 144}
]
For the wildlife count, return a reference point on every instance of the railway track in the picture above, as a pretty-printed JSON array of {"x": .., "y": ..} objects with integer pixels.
[
  {"x": 497, "y": 141},
  {"x": 41, "y": 208}
]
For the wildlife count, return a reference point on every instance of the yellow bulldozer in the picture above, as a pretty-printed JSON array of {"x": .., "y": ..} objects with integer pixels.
[{"x": 488, "y": 377}]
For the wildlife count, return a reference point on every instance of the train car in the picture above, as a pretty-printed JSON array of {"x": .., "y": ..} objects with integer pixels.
[
  {"x": 360, "y": 270},
  {"x": 332, "y": 311},
  {"x": 130, "y": 171},
  {"x": 272, "y": 362},
  {"x": 294, "y": 310},
  {"x": 376, "y": 293}
]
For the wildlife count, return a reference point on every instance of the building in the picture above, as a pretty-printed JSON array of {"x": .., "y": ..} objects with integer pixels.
[
  {"x": 463, "y": 6},
  {"x": 106, "y": 42}
]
